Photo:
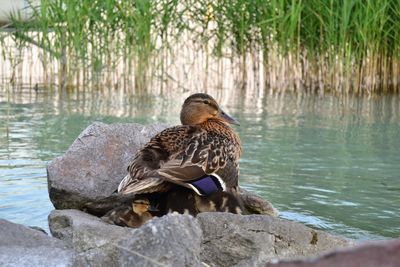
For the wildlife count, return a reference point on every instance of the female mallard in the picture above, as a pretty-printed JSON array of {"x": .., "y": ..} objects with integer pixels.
[{"x": 201, "y": 154}]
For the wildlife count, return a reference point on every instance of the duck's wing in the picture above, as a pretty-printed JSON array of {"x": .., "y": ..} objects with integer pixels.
[
  {"x": 208, "y": 164},
  {"x": 151, "y": 157},
  {"x": 186, "y": 156},
  {"x": 143, "y": 186},
  {"x": 147, "y": 159}
]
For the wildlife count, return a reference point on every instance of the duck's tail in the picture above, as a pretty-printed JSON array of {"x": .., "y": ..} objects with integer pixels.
[
  {"x": 148, "y": 185},
  {"x": 123, "y": 183}
]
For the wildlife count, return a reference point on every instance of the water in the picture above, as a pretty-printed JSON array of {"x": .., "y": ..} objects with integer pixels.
[{"x": 331, "y": 163}]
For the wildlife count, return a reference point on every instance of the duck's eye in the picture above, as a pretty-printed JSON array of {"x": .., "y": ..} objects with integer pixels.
[{"x": 206, "y": 102}]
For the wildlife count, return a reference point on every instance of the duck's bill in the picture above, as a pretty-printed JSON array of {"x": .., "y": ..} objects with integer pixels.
[
  {"x": 153, "y": 208},
  {"x": 228, "y": 118}
]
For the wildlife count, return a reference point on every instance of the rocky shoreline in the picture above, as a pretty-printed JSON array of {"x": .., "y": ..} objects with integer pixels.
[
  {"x": 82, "y": 186},
  {"x": 210, "y": 239}
]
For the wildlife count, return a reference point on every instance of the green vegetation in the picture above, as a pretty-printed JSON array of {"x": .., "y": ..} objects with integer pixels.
[{"x": 335, "y": 46}]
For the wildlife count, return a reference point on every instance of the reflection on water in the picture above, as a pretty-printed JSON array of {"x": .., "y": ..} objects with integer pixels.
[{"x": 329, "y": 162}]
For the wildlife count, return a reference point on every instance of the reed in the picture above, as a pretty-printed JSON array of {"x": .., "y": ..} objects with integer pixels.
[{"x": 313, "y": 46}]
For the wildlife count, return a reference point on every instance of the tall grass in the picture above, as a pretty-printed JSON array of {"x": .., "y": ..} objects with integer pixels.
[{"x": 335, "y": 46}]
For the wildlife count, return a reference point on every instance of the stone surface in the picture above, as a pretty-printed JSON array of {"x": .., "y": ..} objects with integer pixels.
[
  {"x": 23, "y": 246},
  {"x": 254, "y": 240},
  {"x": 86, "y": 176},
  {"x": 380, "y": 253},
  {"x": 211, "y": 239},
  {"x": 172, "y": 240}
]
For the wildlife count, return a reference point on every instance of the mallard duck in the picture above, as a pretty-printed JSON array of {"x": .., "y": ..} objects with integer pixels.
[
  {"x": 131, "y": 216},
  {"x": 201, "y": 154}
]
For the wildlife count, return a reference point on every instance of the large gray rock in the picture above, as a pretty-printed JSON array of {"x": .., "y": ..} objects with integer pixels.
[
  {"x": 172, "y": 240},
  {"x": 254, "y": 240},
  {"x": 23, "y": 246},
  {"x": 86, "y": 176},
  {"x": 217, "y": 239},
  {"x": 380, "y": 253}
]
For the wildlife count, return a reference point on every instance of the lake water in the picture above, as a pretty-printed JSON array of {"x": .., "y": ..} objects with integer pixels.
[{"x": 332, "y": 163}]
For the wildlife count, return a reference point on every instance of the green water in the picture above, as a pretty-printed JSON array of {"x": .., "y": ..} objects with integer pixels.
[{"x": 331, "y": 163}]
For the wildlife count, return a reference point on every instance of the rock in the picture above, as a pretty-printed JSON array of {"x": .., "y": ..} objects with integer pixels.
[
  {"x": 216, "y": 239},
  {"x": 254, "y": 240},
  {"x": 172, "y": 240},
  {"x": 83, "y": 231},
  {"x": 381, "y": 253},
  {"x": 211, "y": 239},
  {"x": 23, "y": 246},
  {"x": 87, "y": 175}
]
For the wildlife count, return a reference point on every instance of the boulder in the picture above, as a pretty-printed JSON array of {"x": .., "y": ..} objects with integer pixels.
[
  {"x": 372, "y": 254},
  {"x": 216, "y": 239},
  {"x": 88, "y": 174},
  {"x": 210, "y": 239},
  {"x": 23, "y": 246},
  {"x": 172, "y": 240},
  {"x": 253, "y": 240}
]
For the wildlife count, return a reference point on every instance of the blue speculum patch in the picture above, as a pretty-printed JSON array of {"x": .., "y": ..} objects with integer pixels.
[{"x": 207, "y": 185}]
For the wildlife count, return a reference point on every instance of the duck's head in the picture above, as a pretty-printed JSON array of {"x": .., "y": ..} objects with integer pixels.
[
  {"x": 140, "y": 206},
  {"x": 199, "y": 108}
]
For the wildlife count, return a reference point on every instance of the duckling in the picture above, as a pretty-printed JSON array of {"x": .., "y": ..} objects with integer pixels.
[
  {"x": 202, "y": 154},
  {"x": 219, "y": 201},
  {"x": 186, "y": 201},
  {"x": 131, "y": 216},
  {"x": 180, "y": 199}
]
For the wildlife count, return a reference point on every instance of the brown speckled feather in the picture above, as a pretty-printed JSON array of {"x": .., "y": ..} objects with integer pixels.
[{"x": 183, "y": 153}]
